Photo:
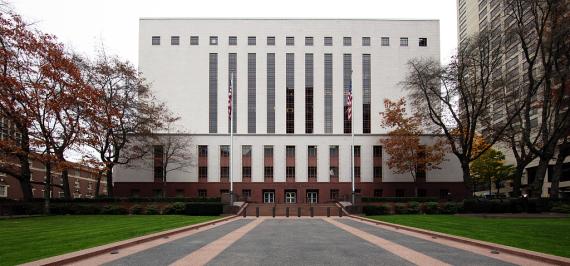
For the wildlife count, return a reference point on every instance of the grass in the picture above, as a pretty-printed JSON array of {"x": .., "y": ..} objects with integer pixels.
[
  {"x": 29, "y": 239},
  {"x": 547, "y": 235}
]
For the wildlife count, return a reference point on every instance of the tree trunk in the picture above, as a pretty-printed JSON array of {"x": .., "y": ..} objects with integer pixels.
[
  {"x": 536, "y": 187},
  {"x": 517, "y": 177},
  {"x": 555, "y": 181},
  {"x": 47, "y": 188},
  {"x": 65, "y": 183},
  {"x": 98, "y": 184},
  {"x": 468, "y": 182},
  {"x": 110, "y": 183},
  {"x": 24, "y": 179}
]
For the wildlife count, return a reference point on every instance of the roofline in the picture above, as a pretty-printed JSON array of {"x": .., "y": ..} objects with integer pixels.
[{"x": 270, "y": 19}]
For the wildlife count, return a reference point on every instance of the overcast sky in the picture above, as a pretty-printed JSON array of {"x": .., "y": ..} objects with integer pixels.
[{"x": 85, "y": 24}]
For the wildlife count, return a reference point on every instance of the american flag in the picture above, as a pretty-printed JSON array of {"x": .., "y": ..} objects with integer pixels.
[
  {"x": 349, "y": 101},
  {"x": 230, "y": 89}
]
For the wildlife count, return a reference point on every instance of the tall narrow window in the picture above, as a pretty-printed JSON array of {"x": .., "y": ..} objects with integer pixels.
[
  {"x": 328, "y": 93},
  {"x": 213, "y": 100},
  {"x": 377, "y": 163},
  {"x": 347, "y": 73},
  {"x": 158, "y": 154},
  {"x": 246, "y": 162},
  {"x": 333, "y": 162},
  {"x": 232, "y": 71},
  {"x": 202, "y": 161},
  {"x": 290, "y": 163},
  {"x": 312, "y": 163},
  {"x": 268, "y": 163},
  {"x": 224, "y": 163},
  {"x": 366, "y": 94},
  {"x": 251, "y": 84},
  {"x": 290, "y": 90},
  {"x": 309, "y": 93},
  {"x": 271, "y": 93}
]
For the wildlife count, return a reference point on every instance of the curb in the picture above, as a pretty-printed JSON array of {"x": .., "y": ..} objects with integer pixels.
[
  {"x": 79, "y": 255},
  {"x": 552, "y": 259}
]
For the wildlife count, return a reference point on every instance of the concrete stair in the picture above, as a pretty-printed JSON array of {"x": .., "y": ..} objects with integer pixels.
[{"x": 292, "y": 210}]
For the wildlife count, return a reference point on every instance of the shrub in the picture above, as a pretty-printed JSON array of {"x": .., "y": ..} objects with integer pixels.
[
  {"x": 449, "y": 208},
  {"x": 152, "y": 210},
  {"x": 413, "y": 207},
  {"x": 175, "y": 208},
  {"x": 137, "y": 209},
  {"x": 431, "y": 208},
  {"x": 398, "y": 199},
  {"x": 401, "y": 208},
  {"x": 86, "y": 209},
  {"x": 376, "y": 210},
  {"x": 210, "y": 209},
  {"x": 113, "y": 209},
  {"x": 561, "y": 208}
]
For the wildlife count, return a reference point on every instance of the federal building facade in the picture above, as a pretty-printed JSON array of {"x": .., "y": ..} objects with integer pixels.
[{"x": 291, "y": 132}]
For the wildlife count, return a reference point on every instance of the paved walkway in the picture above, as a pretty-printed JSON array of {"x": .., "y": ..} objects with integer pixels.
[{"x": 303, "y": 241}]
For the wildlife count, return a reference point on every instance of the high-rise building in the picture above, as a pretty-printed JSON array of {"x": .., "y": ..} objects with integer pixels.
[{"x": 291, "y": 129}]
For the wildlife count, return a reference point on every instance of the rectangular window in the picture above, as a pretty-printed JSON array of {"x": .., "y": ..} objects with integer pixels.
[
  {"x": 443, "y": 193},
  {"x": 423, "y": 42},
  {"x": 232, "y": 71},
  {"x": 268, "y": 172},
  {"x": 174, "y": 40},
  {"x": 224, "y": 151},
  {"x": 202, "y": 151},
  {"x": 290, "y": 90},
  {"x": 270, "y": 40},
  {"x": 333, "y": 172},
  {"x": 224, "y": 172},
  {"x": 333, "y": 161},
  {"x": 309, "y": 100},
  {"x": 334, "y": 194},
  {"x": 357, "y": 172},
  {"x": 377, "y": 151},
  {"x": 290, "y": 172},
  {"x": 312, "y": 172},
  {"x": 377, "y": 161},
  {"x": 251, "y": 91},
  {"x": 251, "y": 40},
  {"x": 347, "y": 73},
  {"x": 213, "y": 93},
  {"x": 203, "y": 172},
  {"x": 194, "y": 40},
  {"x": 385, "y": 41},
  {"x": 246, "y": 193},
  {"x": 268, "y": 151},
  {"x": 328, "y": 93},
  {"x": 213, "y": 40},
  {"x": 312, "y": 151},
  {"x": 328, "y": 41},
  {"x": 246, "y": 172},
  {"x": 232, "y": 40},
  {"x": 158, "y": 154},
  {"x": 155, "y": 40},
  {"x": 378, "y": 172},
  {"x": 202, "y": 193},
  {"x": 366, "y": 94},
  {"x": 365, "y": 41},
  {"x": 356, "y": 151},
  {"x": 404, "y": 41},
  {"x": 308, "y": 41},
  {"x": 3, "y": 191},
  {"x": 290, "y": 151},
  {"x": 290, "y": 41},
  {"x": 271, "y": 93},
  {"x": 246, "y": 151},
  {"x": 347, "y": 41}
]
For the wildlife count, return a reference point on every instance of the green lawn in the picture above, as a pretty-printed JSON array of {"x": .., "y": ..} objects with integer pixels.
[
  {"x": 29, "y": 239},
  {"x": 547, "y": 235}
]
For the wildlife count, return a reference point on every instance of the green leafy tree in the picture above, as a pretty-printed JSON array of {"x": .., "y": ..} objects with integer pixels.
[{"x": 490, "y": 168}]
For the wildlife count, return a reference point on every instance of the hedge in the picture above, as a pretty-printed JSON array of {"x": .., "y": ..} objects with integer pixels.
[
  {"x": 125, "y": 200},
  {"x": 205, "y": 209},
  {"x": 399, "y": 199}
]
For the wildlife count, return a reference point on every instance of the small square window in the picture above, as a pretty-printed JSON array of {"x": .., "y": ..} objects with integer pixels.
[
  {"x": 290, "y": 41},
  {"x": 347, "y": 41},
  {"x": 232, "y": 40},
  {"x": 203, "y": 172},
  {"x": 385, "y": 41},
  {"x": 174, "y": 40},
  {"x": 423, "y": 42},
  {"x": 213, "y": 40},
  {"x": 328, "y": 41},
  {"x": 194, "y": 40},
  {"x": 246, "y": 172},
  {"x": 155, "y": 40},
  {"x": 365, "y": 41},
  {"x": 271, "y": 40},
  {"x": 251, "y": 40},
  {"x": 404, "y": 41},
  {"x": 308, "y": 41},
  {"x": 202, "y": 193}
]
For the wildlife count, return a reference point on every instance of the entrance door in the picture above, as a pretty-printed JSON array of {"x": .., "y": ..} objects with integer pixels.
[
  {"x": 290, "y": 197},
  {"x": 268, "y": 197},
  {"x": 312, "y": 197}
]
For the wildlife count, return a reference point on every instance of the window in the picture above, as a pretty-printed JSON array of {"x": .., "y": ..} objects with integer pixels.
[
  {"x": 202, "y": 193},
  {"x": 347, "y": 41},
  {"x": 224, "y": 172},
  {"x": 3, "y": 191},
  {"x": 377, "y": 171},
  {"x": 268, "y": 151},
  {"x": 378, "y": 193},
  {"x": 385, "y": 41},
  {"x": 232, "y": 40},
  {"x": 366, "y": 94},
  {"x": 158, "y": 152},
  {"x": 202, "y": 151},
  {"x": 312, "y": 151},
  {"x": 365, "y": 41},
  {"x": 290, "y": 41},
  {"x": 251, "y": 92},
  {"x": 334, "y": 151},
  {"x": 444, "y": 193},
  {"x": 328, "y": 41},
  {"x": 334, "y": 194},
  {"x": 290, "y": 90},
  {"x": 270, "y": 40},
  {"x": 308, "y": 41},
  {"x": 251, "y": 40},
  {"x": 423, "y": 42},
  {"x": 246, "y": 151},
  {"x": 290, "y": 151},
  {"x": 357, "y": 172},
  {"x": 194, "y": 40},
  {"x": 268, "y": 172},
  {"x": 155, "y": 40},
  {"x": 270, "y": 93},
  {"x": 309, "y": 97},
  {"x": 213, "y": 40},
  {"x": 347, "y": 84},
  {"x": 174, "y": 40},
  {"x": 232, "y": 71},
  {"x": 224, "y": 150},
  {"x": 404, "y": 41},
  {"x": 203, "y": 172},
  {"x": 312, "y": 172},
  {"x": 213, "y": 93},
  {"x": 377, "y": 151},
  {"x": 246, "y": 172},
  {"x": 290, "y": 171},
  {"x": 356, "y": 151},
  {"x": 246, "y": 193},
  {"x": 328, "y": 93},
  {"x": 333, "y": 172}
]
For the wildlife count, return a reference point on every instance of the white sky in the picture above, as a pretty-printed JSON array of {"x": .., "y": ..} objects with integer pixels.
[{"x": 84, "y": 24}]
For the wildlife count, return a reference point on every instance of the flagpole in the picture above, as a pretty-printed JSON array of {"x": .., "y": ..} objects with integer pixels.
[
  {"x": 231, "y": 140},
  {"x": 352, "y": 133}
]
